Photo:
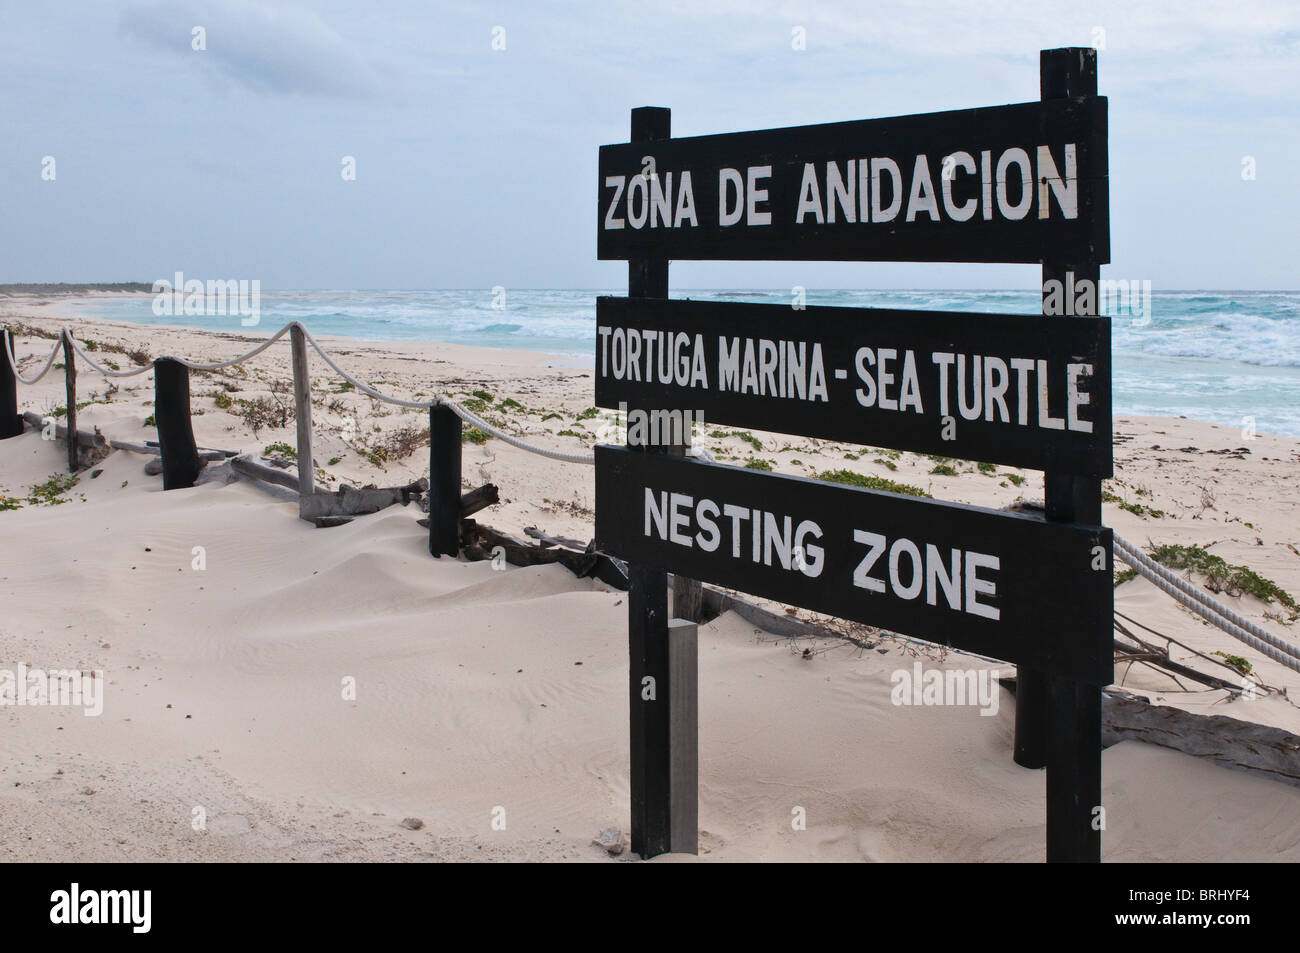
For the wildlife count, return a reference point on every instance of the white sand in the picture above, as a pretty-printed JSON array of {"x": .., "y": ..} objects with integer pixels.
[{"x": 468, "y": 692}]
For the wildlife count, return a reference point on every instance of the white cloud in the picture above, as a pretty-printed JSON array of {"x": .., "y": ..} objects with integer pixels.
[{"x": 266, "y": 48}]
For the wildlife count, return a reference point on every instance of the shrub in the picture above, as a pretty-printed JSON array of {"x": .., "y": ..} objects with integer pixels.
[
  {"x": 1237, "y": 662},
  {"x": 850, "y": 478},
  {"x": 401, "y": 443},
  {"x": 1220, "y": 576},
  {"x": 51, "y": 491},
  {"x": 259, "y": 412}
]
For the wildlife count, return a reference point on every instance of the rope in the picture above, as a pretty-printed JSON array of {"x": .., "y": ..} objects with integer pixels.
[
  {"x": 13, "y": 364},
  {"x": 1145, "y": 561},
  {"x": 463, "y": 413},
  {"x": 1211, "y": 611},
  {"x": 359, "y": 385},
  {"x": 106, "y": 371},
  {"x": 243, "y": 357}
]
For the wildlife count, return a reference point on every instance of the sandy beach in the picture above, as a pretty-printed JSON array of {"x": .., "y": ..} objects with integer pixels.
[{"x": 482, "y": 694}]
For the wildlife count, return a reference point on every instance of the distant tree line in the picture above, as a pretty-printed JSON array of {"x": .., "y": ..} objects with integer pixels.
[{"x": 66, "y": 289}]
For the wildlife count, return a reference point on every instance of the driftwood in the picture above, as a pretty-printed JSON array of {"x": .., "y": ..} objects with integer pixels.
[
  {"x": 90, "y": 447},
  {"x": 1230, "y": 742},
  {"x": 1262, "y": 750},
  {"x": 323, "y": 522},
  {"x": 480, "y": 542},
  {"x": 546, "y": 539},
  {"x": 1157, "y": 656},
  {"x": 1127, "y": 653},
  {"x": 470, "y": 503},
  {"x": 520, "y": 553},
  {"x": 328, "y": 507},
  {"x": 331, "y": 507},
  {"x": 481, "y": 498},
  {"x": 153, "y": 447},
  {"x": 247, "y": 466},
  {"x": 350, "y": 501},
  {"x": 85, "y": 438},
  {"x": 210, "y": 456}
]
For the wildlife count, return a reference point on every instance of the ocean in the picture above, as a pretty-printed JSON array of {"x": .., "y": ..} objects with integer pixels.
[{"x": 1227, "y": 357}]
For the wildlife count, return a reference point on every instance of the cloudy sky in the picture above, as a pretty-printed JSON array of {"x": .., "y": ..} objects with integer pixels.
[{"x": 476, "y": 166}]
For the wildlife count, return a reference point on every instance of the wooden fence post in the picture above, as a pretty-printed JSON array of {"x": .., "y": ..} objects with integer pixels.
[
  {"x": 11, "y": 424},
  {"x": 1070, "y": 712},
  {"x": 444, "y": 481},
  {"x": 171, "y": 411},
  {"x": 302, "y": 414},
  {"x": 70, "y": 386}
]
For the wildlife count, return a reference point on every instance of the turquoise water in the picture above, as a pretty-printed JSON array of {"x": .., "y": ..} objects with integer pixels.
[{"x": 1211, "y": 355}]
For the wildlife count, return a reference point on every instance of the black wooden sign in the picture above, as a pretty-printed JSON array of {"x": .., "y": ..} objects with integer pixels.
[
  {"x": 1010, "y": 586},
  {"x": 1018, "y": 183},
  {"x": 1005, "y": 389}
]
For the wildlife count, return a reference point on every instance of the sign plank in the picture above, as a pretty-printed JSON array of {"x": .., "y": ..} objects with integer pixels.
[
  {"x": 1006, "y": 585},
  {"x": 1025, "y": 182},
  {"x": 1008, "y": 389}
]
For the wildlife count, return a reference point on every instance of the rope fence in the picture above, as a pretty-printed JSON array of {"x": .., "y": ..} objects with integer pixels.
[{"x": 443, "y": 455}]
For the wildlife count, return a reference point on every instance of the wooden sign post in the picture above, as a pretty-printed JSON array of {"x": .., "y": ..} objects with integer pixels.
[
  {"x": 1018, "y": 183},
  {"x": 650, "y": 686},
  {"x": 1073, "y": 710}
]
